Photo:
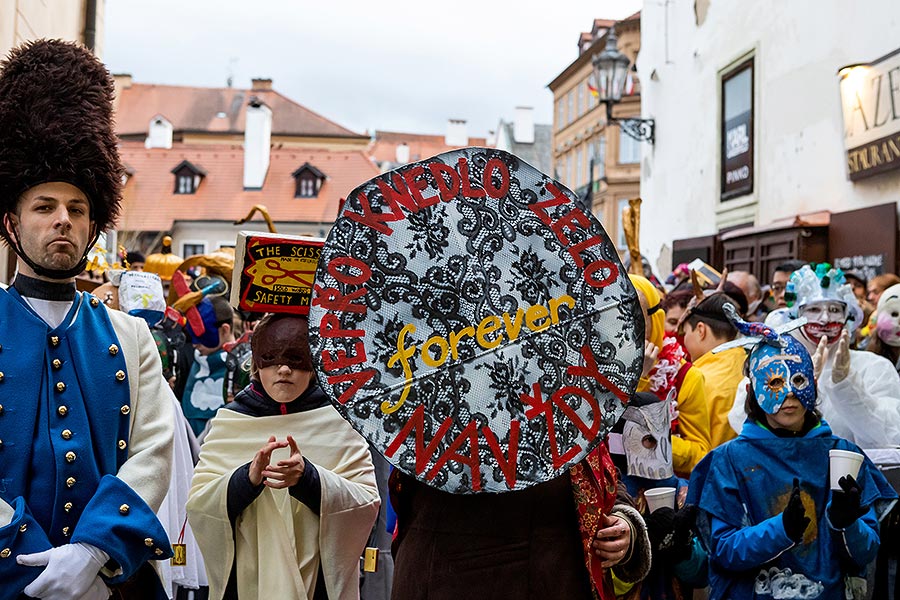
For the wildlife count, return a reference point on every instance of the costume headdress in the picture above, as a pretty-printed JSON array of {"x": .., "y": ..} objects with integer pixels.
[
  {"x": 823, "y": 284},
  {"x": 56, "y": 124},
  {"x": 778, "y": 364}
]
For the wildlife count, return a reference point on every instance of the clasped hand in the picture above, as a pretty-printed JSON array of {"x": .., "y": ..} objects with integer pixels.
[
  {"x": 612, "y": 540},
  {"x": 285, "y": 473}
]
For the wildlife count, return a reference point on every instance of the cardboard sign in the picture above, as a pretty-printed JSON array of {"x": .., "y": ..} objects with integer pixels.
[
  {"x": 474, "y": 323},
  {"x": 273, "y": 272}
]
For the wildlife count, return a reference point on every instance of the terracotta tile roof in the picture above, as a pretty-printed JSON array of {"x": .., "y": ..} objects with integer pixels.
[
  {"x": 384, "y": 149},
  {"x": 215, "y": 110},
  {"x": 150, "y": 203}
]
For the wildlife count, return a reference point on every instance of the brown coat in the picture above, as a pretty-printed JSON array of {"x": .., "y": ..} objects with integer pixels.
[{"x": 523, "y": 545}]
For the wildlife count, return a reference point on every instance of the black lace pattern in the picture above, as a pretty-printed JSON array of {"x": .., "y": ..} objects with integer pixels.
[{"x": 475, "y": 253}]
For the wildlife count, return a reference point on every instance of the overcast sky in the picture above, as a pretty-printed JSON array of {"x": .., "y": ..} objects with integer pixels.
[{"x": 389, "y": 65}]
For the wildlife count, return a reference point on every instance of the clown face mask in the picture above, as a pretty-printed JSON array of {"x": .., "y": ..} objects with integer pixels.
[
  {"x": 824, "y": 319},
  {"x": 776, "y": 372},
  {"x": 887, "y": 325}
]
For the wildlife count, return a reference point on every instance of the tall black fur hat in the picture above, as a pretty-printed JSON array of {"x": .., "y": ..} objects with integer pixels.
[{"x": 56, "y": 124}]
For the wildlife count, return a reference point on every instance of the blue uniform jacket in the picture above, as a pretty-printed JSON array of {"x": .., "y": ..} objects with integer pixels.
[
  {"x": 64, "y": 425},
  {"x": 742, "y": 488}
]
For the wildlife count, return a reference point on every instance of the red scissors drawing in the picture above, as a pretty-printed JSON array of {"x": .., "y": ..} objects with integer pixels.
[{"x": 297, "y": 275}]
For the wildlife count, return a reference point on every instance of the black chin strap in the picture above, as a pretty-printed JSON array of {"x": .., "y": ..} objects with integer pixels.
[{"x": 52, "y": 273}]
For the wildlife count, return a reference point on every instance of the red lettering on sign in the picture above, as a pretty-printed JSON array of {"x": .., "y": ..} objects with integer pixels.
[
  {"x": 334, "y": 299},
  {"x": 340, "y": 359},
  {"x": 569, "y": 221},
  {"x": 416, "y": 423},
  {"x": 590, "y": 370},
  {"x": 415, "y": 178},
  {"x": 438, "y": 170},
  {"x": 397, "y": 194},
  {"x": 495, "y": 164},
  {"x": 330, "y": 327},
  {"x": 575, "y": 251},
  {"x": 595, "y": 267},
  {"x": 377, "y": 221},
  {"x": 537, "y": 406},
  {"x": 365, "y": 271},
  {"x": 539, "y": 208},
  {"x": 467, "y": 190},
  {"x": 470, "y": 434},
  {"x": 559, "y": 400},
  {"x": 357, "y": 380},
  {"x": 508, "y": 464}
]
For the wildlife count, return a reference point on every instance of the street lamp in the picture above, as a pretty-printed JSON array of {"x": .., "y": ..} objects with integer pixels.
[{"x": 610, "y": 72}]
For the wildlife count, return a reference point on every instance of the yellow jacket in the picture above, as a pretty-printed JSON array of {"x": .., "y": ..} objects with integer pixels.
[
  {"x": 722, "y": 373},
  {"x": 692, "y": 442}
]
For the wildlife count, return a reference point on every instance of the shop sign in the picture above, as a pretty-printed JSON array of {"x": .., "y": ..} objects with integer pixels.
[{"x": 870, "y": 100}]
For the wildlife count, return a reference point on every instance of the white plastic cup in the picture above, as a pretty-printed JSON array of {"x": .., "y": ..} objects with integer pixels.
[
  {"x": 841, "y": 463},
  {"x": 659, "y": 497}
]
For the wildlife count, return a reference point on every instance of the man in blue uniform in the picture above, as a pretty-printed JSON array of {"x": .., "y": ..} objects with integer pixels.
[{"x": 85, "y": 421}]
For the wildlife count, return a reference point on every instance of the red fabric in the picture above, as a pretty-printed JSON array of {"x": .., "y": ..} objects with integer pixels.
[
  {"x": 594, "y": 485},
  {"x": 668, "y": 374}
]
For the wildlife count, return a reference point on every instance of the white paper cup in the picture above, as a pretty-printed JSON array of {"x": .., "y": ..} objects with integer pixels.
[
  {"x": 660, "y": 497},
  {"x": 843, "y": 462}
]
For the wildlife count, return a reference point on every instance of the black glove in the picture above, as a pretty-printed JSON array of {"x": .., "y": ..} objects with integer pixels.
[
  {"x": 794, "y": 516},
  {"x": 661, "y": 530},
  {"x": 845, "y": 508},
  {"x": 684, "y": 531}
]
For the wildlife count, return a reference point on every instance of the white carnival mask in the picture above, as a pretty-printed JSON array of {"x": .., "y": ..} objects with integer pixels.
[{"x": 887, "y": 323}]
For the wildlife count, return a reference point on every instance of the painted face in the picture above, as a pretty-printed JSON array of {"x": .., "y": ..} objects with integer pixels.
[
  {"x": 824, "y": 319},
  {"x": 777, "y": 372},
  {"x": 887, "y": 326}
]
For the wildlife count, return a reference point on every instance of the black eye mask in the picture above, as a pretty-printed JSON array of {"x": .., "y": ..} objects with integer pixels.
[{"x": 282, "y": 340}]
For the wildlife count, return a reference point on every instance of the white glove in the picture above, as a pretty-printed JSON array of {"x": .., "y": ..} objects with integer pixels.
[
  {"x": 841, "y": 368},
  {"x": 70, "y": 572},
  {"x": 820, "y": 357},
  {"x": 97, "y": 591}
]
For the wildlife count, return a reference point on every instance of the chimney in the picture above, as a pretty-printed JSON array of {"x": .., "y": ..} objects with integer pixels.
[
  {"x": 523, "y": 126},
  {"x": 260, "y": 84},
  {"x": 257, "y": 143},
  {"x": 122, "y": 81},
  {"x": 456, "y": 133},
  {"x": 402, "y": 153},
  {"x": 159, "y": 134}
]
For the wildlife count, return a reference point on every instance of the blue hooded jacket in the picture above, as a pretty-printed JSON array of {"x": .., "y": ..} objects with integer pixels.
[{"x": 742, "y": 488}]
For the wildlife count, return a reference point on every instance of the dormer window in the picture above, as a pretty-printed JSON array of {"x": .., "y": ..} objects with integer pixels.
[
  {"x": 187, "y": 177},
  {"x": 308, "y": 180}
]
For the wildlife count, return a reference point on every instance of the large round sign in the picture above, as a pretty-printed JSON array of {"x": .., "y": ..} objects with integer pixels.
[{"x": 474, "y": 323}]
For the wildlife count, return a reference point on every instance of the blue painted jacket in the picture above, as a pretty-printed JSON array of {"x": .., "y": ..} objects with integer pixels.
[{"x": 743, "y": 486}]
